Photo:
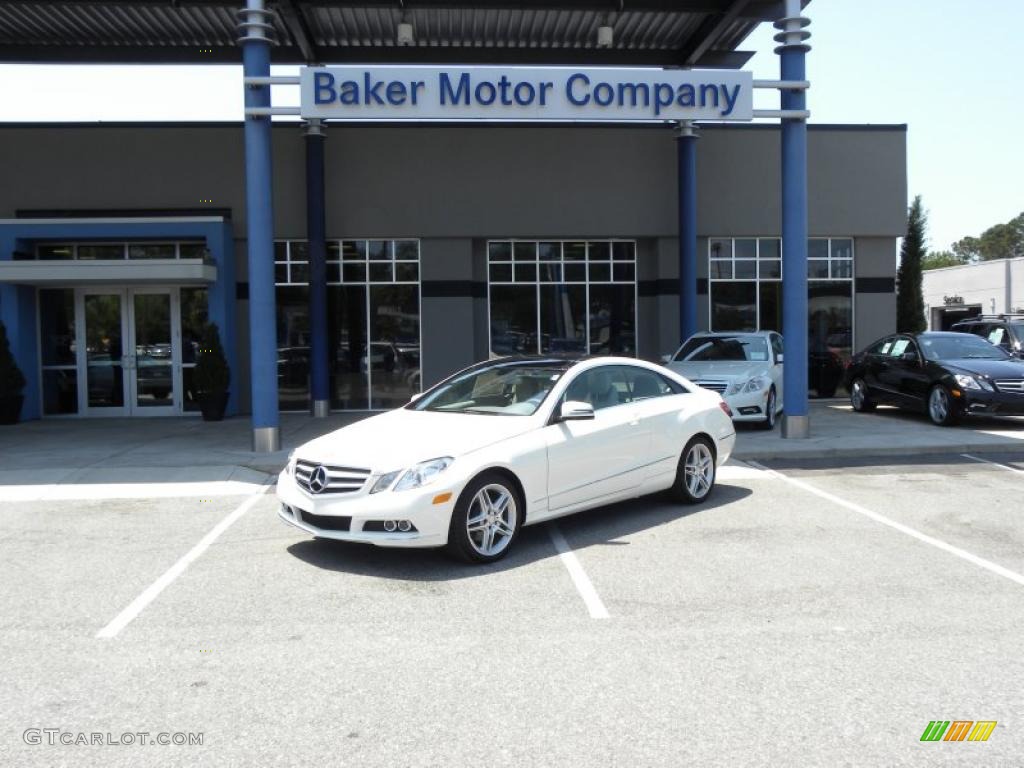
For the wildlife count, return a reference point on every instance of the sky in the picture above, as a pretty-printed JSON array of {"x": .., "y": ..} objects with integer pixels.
[{"x": 949, "y": 69}]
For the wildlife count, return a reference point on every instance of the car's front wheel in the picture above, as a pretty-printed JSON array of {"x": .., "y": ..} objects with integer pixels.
[
  {"x": 695, "y": 475},
  {"x": 486, "y": 519},
  {"x": 940, "y": 407},
  {"x": 859, "y": 396},
  {"x": 770, "y": 408}
]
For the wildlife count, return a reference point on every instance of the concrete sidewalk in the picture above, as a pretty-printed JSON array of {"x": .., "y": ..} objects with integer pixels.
[{"x": 189, "y": 450}]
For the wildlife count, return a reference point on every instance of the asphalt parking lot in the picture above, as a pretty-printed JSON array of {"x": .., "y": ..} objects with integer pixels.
[{"x": 808, "y": 614}]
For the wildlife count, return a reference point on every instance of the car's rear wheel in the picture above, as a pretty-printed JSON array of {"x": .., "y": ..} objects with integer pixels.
[
  {"x": 859, "y": 396},
  {"x": 940, "y": 407},
  {"x": 770, "y": 407},
  {"x": 695, "y": 475},
  {"x": 486, "y": 519}
]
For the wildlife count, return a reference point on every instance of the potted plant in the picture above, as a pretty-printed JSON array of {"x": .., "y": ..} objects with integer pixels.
[
  {"x": 12, "y": 382},
  {"x": 211, "y": 376}
]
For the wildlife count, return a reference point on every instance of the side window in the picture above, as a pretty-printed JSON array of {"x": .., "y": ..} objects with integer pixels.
[
  {"x": 777, "y": 345},
  {"x": 997, "y": 335},
  {"x": 603, "y": 387},
  {"x": 899, "y": 346},
  {"x": 881, "y": 347},
  {"x": 644, "y": 384}
]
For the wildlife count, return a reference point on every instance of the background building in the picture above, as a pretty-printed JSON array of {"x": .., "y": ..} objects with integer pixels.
[{"x": 952, "y": 294}]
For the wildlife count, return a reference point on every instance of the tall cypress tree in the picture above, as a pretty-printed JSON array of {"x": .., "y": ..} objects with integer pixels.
[{"x": 909, "y": 299}]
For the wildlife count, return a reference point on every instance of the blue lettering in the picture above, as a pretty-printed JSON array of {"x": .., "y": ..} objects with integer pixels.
[
  {"x": 454, "y": 96},
  {"x": 486, "y": 93},
  {"x": 544, "y": 88},
  {"x": 707, "y": 89},
  {"x": 417, "y": 85},
  {"x": 349, "y": 92},
  {"x": 632, "y": 91},
  {"x": 323, "y": 88},
  {"x": 396, "y": 92},
  {"x": 603, "y": 94},
  {"x": 730, "y": 101},
  {"x": 687, "y": 95},
  {"x": 371, "y": 93},
  {"x": 524, "y": 93},
  {"x": 663, "y": 97},
  {"x": 571, "y": 96}
]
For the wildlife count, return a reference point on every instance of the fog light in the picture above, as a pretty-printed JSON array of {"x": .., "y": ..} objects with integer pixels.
[
  {"x": 390, "y": 525},
  {"x": 404, "y": 526}
]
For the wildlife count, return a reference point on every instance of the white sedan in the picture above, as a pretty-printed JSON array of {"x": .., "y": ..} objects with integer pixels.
[
  {"x": 507, "y": 443},
  {"x": 744, "y": 368}
]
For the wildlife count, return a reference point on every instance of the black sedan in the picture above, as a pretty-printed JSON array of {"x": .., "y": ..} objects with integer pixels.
[{"x": 946, "y": 375}]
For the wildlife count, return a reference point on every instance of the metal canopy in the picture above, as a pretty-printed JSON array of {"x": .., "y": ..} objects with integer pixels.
[{"x": 699, "y": 33}]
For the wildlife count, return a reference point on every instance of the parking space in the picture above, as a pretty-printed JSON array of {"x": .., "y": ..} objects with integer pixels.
[{"x": 769, "y": 625}]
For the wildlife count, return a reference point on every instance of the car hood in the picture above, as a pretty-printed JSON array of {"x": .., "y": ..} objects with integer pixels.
[
  {"x": 995, "y": 369},
  {"x": 720, "y": 369},
  {"x": 400, "y": 438}
]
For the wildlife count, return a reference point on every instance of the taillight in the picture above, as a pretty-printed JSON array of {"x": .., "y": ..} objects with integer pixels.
[{"x": 725, "y": 408}]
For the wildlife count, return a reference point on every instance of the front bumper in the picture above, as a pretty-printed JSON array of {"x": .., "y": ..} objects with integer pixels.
[
  {"x": 748, "y": 406},
  {"x": 430, "y": 520},
  {"x": 974, "y": 402}
]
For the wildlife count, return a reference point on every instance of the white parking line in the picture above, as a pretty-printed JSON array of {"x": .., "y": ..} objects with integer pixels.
[
  {"x": 1007, "y": 467},
  {"x": 150, "y": 594},
  {"x": 937, "y": 543},
  {"x": 579, "y": 576}
]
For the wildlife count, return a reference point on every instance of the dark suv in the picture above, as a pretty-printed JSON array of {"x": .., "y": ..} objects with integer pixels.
[{"x": 1006, "y": 331}]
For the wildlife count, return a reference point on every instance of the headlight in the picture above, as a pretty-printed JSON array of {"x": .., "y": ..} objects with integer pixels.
[
  {"x": 755, "y": 384},
  {"x": 289, "y": 468},
  {"x": 384, "y": 481},
  {"x": 972, "y": 382},
  {"x": 423, "y": 473}
]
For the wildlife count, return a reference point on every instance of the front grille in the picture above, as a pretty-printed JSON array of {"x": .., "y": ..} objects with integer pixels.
[
  {"x": 339, "y": 479},
  {"x": 714, "y": 386},
  {"x": 326, "y": 522},
  {"x": 1016, "y": 386}
]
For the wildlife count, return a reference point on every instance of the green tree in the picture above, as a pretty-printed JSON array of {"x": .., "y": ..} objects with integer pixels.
[
  {"x": 909, "y": 299},
  {"x": 939, "y": 259},
  {"x": 1000, "y": 241}
]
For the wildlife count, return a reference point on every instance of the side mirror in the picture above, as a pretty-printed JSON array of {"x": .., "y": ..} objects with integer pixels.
[
  {"x": 666, "y": 358},
  {"x": 778, "y": 358},
  {"x": 574, "y": 410}
]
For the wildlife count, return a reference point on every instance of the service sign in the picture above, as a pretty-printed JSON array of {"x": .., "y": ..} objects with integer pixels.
[{"x": 507, "y": 93}]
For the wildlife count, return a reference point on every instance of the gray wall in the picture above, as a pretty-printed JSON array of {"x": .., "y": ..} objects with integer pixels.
[{"x": 455, "y": 186}]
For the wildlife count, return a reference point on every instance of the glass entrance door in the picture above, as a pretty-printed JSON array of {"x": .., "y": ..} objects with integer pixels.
[{"x": 132, "y": 352}]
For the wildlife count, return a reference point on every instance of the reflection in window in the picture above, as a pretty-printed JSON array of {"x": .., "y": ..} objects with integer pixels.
[
  {"x": 293, "y": 347},
  {"x": 734, "y": 306},
  {"x": 394, "y": 344},
  {"x": 563, "y": 321},
  {"x": 346, "y": 320},
  {"x": 195, "y": 313},
  {"x": 513, "y": 319}
]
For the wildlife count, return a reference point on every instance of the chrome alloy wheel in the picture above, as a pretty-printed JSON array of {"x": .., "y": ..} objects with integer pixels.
[
  {"x": 492, "y": 519},
  {"x": 938, "y": 405},
  {"x": 699, "y": 468},
  {"x": 857, "y": 394}
]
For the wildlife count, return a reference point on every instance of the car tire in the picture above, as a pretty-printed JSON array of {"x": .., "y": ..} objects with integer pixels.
[
  {"x": 941, "y": 409},
  {"x": 687, "y": 489},
  {"x": 768, "y": 422},
  {"x": 859, "y": 397},
  {"x": 486, "y": 519}
]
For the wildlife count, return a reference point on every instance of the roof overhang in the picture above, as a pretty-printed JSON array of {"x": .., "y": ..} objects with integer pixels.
[
  {"x": 109, "y": 272},
  {"x": 663, "y": 33}
]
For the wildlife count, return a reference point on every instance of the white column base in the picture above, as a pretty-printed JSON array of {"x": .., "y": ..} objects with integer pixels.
[
  {"x": 266, "y": 439},
  {"x": 796, "y": 427}
]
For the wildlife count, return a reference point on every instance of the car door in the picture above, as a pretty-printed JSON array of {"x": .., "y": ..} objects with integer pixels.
[
  {"x": 910, "y": 375},
  {"x": 599, "y": 458},
  {"x": 662, "y": 405},
  {"x": 876, "y": 362}
]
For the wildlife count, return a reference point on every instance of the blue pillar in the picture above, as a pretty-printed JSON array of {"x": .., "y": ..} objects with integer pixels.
[
  {"x": 316, "y": 213},
  {"x": 260, "y": 232},
  {"x": 792, "y": 53},
  {"x": 686, "y": 145}
]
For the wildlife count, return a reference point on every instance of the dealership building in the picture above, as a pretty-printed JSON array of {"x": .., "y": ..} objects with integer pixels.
[{"x": 348, "y": 263}]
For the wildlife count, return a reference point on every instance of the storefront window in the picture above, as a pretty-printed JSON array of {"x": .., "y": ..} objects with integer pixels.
[
  {"x": 373, "y": 318},
  {"x": 195, "y": 313},
  {"x": 59, "y": 351},
  {"x": 744, "y": 298},
  {"x": 562, "y": 296}
]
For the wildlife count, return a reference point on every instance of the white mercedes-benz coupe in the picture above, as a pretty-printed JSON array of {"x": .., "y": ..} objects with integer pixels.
[{"x": 506, "y": 443}]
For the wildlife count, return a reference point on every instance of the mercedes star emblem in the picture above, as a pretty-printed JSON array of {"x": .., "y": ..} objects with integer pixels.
[{"x": 318, "y": 480}]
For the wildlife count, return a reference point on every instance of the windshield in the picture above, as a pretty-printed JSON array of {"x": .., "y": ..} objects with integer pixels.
[
  {"x": 502, "y": 389},
  {"x": 961, "y": 347},
  {"x": 1018, "y": 329},
  {"x": 705, "y": 348}
]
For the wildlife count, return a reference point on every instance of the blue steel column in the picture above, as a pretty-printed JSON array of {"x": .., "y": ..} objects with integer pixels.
[
  {"x": 316, "y": 213},
  {"x": 260, "y": 232},
  {"x": 792, "y": 53},
  {"x": 686, "y": 146}
]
